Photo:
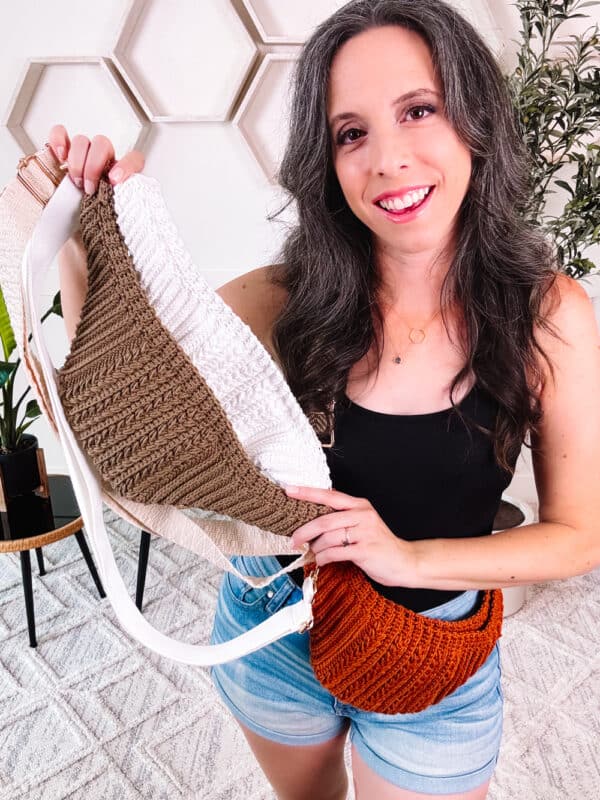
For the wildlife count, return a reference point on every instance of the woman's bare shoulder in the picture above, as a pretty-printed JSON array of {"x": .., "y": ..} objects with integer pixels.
[
  {"x": 568, "y": 308},
  {"x": 574, "y": 330},
  {"x": 563, "y": 296},
  {"x": 257, "y": 300}
]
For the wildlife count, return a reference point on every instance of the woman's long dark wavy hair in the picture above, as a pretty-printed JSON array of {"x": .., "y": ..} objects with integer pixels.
[{"x": 502, "y": 267}]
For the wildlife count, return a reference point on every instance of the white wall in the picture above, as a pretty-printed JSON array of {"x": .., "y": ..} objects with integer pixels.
[{"x": 214, "y": 181}]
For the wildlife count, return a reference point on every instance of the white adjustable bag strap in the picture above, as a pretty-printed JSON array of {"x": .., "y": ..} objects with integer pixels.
[{"x": 55, "y": 226}]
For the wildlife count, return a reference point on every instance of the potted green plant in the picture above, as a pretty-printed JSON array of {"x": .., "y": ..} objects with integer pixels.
[
  {"x": 556, "y": 91},
  {"x": 18, "y": 450}
]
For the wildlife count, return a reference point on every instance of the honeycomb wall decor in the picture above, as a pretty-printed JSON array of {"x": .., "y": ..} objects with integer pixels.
[
  {"x": 60, "y": 88},
  {"x": 184, "y": 61},
  {"x": 289, "y": 21},
  {"x": 262, "y": 117}
]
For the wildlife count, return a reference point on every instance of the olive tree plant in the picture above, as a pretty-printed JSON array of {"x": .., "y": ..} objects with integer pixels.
[{"x": 556, "y": 92}]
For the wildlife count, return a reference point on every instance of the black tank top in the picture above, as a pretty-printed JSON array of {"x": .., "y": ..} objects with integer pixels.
[{"x": 428, "y": 476}]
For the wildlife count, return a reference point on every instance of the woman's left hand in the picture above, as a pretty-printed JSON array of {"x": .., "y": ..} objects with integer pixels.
[{"x": 371, "y": 544}]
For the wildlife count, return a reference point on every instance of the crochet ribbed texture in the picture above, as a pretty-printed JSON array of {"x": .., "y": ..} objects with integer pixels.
[
  {"x": 147, "y": 419},
  {"x": 231, "y": 359},
  {"x": 379, "y": 656}
]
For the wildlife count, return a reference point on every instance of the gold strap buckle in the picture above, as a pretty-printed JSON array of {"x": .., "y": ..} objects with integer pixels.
[{"x": 25, "y": 180}]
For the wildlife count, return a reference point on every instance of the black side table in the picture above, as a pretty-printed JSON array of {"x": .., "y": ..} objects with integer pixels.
[{"x": 67, "y": 521}]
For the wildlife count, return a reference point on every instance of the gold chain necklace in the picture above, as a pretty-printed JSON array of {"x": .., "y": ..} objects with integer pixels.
[{"x": 415, "y": 335}]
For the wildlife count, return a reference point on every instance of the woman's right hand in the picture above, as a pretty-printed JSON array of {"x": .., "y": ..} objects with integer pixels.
[{"x": 87, "y": 161}]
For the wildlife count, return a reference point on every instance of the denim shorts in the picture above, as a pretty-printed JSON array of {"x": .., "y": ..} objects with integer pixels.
[{"x": 449, "y": 747}]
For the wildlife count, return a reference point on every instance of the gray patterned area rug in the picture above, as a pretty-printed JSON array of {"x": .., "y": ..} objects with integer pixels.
[{"x": 89, "y": 714}]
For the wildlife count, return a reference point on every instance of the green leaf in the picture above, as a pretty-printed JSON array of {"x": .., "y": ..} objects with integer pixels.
[
  {"x": 6, "y": 332},
  {"x": 57, "y": 305},
  {"x": 7, "y": 368},
  {"x": 565, "y": 185},
  {"x": 32, "y": 410},
  {"x": 23, "y": 428}
]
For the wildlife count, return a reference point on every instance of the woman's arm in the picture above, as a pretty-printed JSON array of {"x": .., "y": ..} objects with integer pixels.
[
  {"x": 73, "y": 276},
  {"x": 566, "y": 459},
  {"x": 257, "y": 301}
]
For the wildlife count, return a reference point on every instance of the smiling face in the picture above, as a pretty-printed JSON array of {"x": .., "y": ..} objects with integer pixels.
[{"x": 389, "y": 134}]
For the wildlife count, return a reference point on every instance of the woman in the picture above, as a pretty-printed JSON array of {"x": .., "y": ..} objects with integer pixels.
[{"x": 412, "y": 294}]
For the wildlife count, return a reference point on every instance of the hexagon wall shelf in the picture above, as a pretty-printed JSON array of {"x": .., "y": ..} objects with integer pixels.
[
  {"x": 58, "y": 90},
  {"x": 289, "y": 21},
  {"x": 263, "y": 113},
  {"x": 184, "y": 61}
]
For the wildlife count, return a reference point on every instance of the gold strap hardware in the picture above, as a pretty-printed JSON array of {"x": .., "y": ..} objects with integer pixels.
[{"x": 23, "y": 178}]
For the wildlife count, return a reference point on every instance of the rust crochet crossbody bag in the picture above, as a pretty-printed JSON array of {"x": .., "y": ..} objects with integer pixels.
[{"x": 379, "y": 656}]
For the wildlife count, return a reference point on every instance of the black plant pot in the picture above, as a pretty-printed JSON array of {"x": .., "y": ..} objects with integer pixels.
[
  {"x": 20, "y": 469},
  {"x": 27, "y": 512}
]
